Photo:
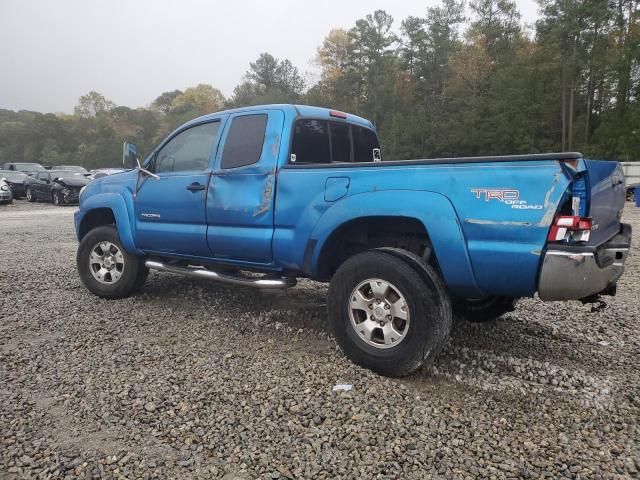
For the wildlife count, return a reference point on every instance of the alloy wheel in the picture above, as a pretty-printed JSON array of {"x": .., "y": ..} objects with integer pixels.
[
  {"x": 379, "y": 313},
  {"x": 106, "y": 263}
]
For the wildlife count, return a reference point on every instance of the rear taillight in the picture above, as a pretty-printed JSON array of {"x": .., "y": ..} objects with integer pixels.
[{"x": 570, "y": 229}]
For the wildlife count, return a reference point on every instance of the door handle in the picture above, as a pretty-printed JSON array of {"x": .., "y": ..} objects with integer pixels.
[{"x": 196, "y": 187}]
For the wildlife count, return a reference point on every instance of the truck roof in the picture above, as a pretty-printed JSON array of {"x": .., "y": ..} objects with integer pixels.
[{"x": 290, "y": 109}]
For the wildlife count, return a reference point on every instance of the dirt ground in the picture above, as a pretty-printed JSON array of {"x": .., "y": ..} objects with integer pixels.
[{"x": 191, "y": 379}]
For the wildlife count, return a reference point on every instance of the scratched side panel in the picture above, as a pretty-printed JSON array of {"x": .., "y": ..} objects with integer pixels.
[
  {"x": 504, "y": 241},
  {"x": 505, "y": 236}
]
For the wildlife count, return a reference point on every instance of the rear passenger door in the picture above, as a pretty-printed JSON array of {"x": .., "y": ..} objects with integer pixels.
[{"x": 240, "y": 200}]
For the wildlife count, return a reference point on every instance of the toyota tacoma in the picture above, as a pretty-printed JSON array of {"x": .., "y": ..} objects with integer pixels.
[{"x": 262, "y": 196}]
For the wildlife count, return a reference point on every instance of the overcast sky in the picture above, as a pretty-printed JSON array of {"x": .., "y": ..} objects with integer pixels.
[{"x": 52, "y": 52}]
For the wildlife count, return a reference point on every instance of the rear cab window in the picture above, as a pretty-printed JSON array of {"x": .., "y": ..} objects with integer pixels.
[
  {"x": 244, "y": 141},
  {"x": 310, "y": 142},
  {"x": 317, "y": 141},
  {"x": 366, "y": 147}
]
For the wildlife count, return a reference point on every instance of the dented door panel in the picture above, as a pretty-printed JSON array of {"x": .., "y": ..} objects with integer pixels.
[{"x": 240, "y": 201}]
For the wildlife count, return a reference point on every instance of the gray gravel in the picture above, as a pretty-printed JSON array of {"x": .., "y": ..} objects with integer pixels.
[{"x": 194, "y": 380}]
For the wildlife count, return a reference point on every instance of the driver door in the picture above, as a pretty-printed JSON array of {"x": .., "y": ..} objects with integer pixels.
[
  {"x": 170, "y": 211},
  {"x": 43, "y": 180}
]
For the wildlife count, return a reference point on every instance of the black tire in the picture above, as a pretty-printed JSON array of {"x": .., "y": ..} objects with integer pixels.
[
  {"x": 428, "y": 304},
  {"x": 141, "y": 279},
  {"x": 56, "y": 199},
  {"x": 133, "y": 275},
  {"x": 29, "y": 195},
  {"x": 484, "y": 310}
]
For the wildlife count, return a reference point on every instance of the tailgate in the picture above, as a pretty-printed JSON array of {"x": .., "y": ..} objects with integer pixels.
[{"x": 606, "y": 198}]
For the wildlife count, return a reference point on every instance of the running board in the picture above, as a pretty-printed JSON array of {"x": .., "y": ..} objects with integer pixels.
[{"x": 262, "y": 283}]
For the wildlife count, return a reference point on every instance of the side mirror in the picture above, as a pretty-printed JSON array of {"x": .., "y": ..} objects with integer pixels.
[{"x": 129, "y": 155}]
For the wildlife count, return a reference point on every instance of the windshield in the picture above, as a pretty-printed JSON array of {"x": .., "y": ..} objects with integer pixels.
[
  {"x": 72, "y": 168},
  {"x": 29, "y": 167}
]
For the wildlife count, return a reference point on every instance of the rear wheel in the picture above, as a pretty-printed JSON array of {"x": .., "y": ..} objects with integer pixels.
[
  {"x": 388, "y": 313},
  {"x": 105, "y": 267},
  {"x": 485, "y": 309},
  {"x": 29, "y": 195}
]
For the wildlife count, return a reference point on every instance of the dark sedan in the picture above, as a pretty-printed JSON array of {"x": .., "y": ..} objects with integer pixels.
[
  {"x": 58, "y": 186},
  {"x": 16, "y": 181}
]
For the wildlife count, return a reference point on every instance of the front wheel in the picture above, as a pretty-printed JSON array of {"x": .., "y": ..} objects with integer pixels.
[
  {"x": 56, "y": 198},
  {"x": 388, "y": 313},
  {"x": 29, "y": 195},
  {"x": 105, "y": 267}
]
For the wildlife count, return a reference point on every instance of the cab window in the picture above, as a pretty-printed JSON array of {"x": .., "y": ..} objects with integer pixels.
[
  {"x": 340, "y": 142},
  {"x": 365, "y": 145},
  {"x": 244, "y": 142},
  {"x": 188, "y": 151},
  {"x": 322, "y": 142},
  {"x": 310, "y": 142}
]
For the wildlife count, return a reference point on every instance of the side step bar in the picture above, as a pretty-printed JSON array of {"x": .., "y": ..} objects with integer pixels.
[{"x": 262, "y": 283}]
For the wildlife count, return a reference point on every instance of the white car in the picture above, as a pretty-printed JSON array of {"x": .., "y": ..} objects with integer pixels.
[{"x": 6, "y": 195}]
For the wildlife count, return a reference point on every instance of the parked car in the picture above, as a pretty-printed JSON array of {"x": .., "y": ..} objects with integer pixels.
[
  {"x": 57, "y": 186},
  {"x": 16, "y": 182},
  {"x": 6, "y": 195},
  {"x": 631, "y": 179},
  {"x": 104, "y": 172},
  {"x": 30, "y": 168},
  {"x": 72, "y": 168},
  {"x": 297, "y": 191}
]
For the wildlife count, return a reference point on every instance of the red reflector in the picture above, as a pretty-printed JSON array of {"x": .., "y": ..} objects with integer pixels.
[
  {"x": 585, "y": 224},
  {"x": 337, "y": 114}
]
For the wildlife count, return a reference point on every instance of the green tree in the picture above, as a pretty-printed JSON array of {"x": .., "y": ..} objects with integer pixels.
[
  {"x": 201, "y": 98},
  {"x": 269, "y": 80},
  {"x": 93, "y": 104},
  {"x": 164, "y": 102}
]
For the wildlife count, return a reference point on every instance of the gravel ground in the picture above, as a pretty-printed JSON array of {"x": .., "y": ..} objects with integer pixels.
[{"x": 191, "y": 379}]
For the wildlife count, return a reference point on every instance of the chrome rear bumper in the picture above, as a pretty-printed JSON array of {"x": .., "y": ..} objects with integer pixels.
[{"x": 574, "y": 273}]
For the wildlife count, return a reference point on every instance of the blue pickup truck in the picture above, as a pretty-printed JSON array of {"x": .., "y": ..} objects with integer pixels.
[{"x": 264, "y": 195}]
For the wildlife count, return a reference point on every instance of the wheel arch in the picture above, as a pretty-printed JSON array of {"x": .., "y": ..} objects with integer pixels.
[
  {"x": 371, "y": 232},
  {"x": 106, "y": 209},
  {"x": 95, "y": 218},
  {"x": 428, "y": 216}
]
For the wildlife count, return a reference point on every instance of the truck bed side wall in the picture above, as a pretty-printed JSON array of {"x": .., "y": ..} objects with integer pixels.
[{"x": 488, "y": 222}]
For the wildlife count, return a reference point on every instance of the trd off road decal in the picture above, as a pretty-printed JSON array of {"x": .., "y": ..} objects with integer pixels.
[{"x": 508, "y": 196}]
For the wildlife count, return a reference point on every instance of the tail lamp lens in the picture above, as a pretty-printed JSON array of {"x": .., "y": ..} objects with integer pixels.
[{"x": 570, "y": 229}]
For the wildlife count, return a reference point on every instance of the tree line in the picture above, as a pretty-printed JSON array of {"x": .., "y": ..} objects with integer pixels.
[{"x": 458, "y": 81}]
